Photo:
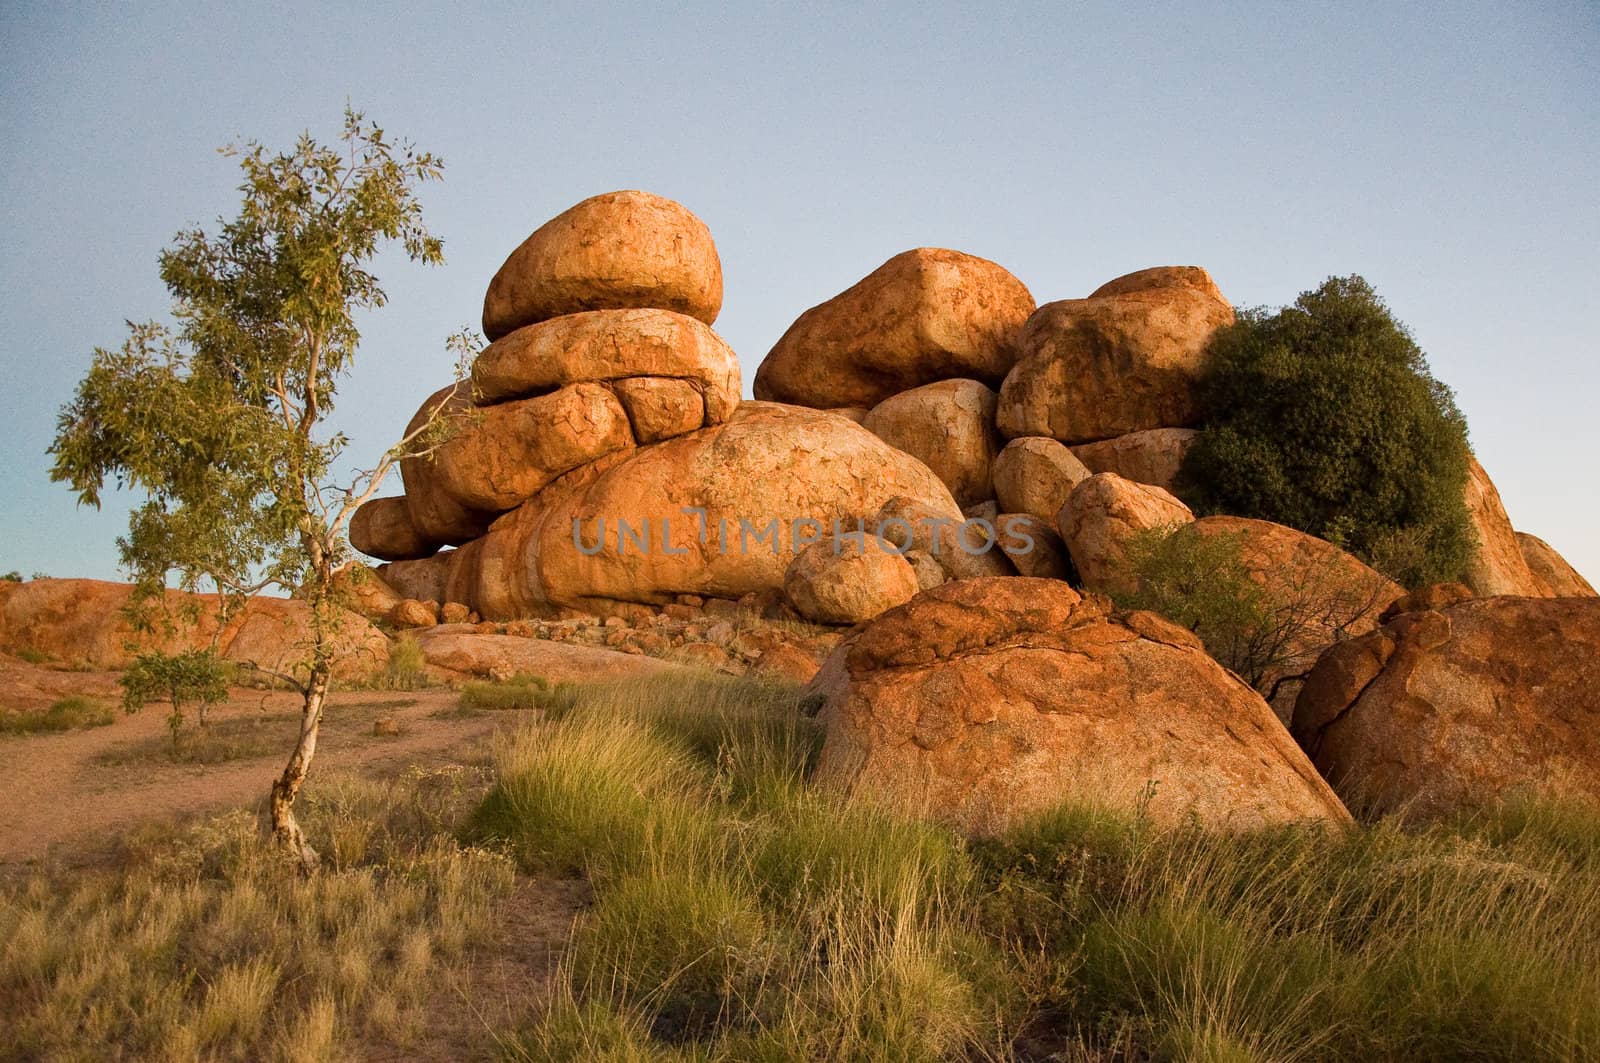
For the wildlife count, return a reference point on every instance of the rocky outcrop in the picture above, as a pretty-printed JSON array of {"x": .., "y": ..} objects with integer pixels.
[
  {"x": 614, "y": 251},
  {"x": 1102, "y": 516},
  {"x": 1551, "y": 569},
  {"x": 847, "y": 582},
  {"x": 1036, "y": 475},
  {"x": 1461, "y": 707},
  {"x": 81, "y": 622},
  {"x": 458, "y": 648},
  {"x": 1123, "y": 360},
  {"x": 983, "y": 701},
  {"x": 1152, "y": 456},
  {"x": 924, "y": 315},
  {"x": 382, "y": 528},
  {"x": 949, "y": 427},
  {"x": 1033, "y": 546},
  {"x": 1497, "y": 565}
]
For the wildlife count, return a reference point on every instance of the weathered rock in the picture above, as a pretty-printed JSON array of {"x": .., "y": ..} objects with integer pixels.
[
  {"x": 846, "y": 583},
  {"x": 787, "y": 473},
  {"x": 619, "y": 250},
  {"x": 1497, "y": 566},
  {"x": 1551, "y": 569},
  {"x": 1102, "y": 516},
  {"x": 1033, "y": 546},
  {"x": 660, "y": 407},
  {"x": 80, "y": 621},
  {"x": 857, "y": 414},
  {"x": 454, "y": 613},
  {"x": 924, "y": 315},
  {"x": 1036, "y": 475},
  {"x": 1117, "y": 362},
  {"x": 1157, "y": 277},
  {"x": 32, "y": 687},
  {"x": 613, "y": 346},
  {"x": 361, "y": 590},
  {"x": 963, "y": 547},
  {"x": 413, "y": 613},
  {"x": 436, "y": 515},
  {"x": 984, "y": 701},
  {"x": 1152, "y": 456},
  {"x": 462, "y": 577},
  {"x": 949, "y": 427},
  {"x": 460, "y": 649},
  {"x": 929, "y": 572},
  {"x": 1433, "y": 596},
  {"x": 515, "y": 448},
  {"x": 423, "y": 580},
  {"x": 705, "y": 655},
  {"x": 382, "y": 528},
  {"x": 1460, "y": 707},
  {"x": 784, "y": 661}
]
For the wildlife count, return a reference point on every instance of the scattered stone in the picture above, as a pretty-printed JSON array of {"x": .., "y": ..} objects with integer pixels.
[
  {"x": 385, "y": 726},
  {"x": 454, "y": 613}
]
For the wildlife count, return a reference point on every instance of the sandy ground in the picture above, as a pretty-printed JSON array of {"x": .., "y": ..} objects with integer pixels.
[{"x": 63, "y": 798}]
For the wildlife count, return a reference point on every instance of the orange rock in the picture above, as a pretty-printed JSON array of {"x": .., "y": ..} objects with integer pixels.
[
  {"x": 924, "y": 315},
  {"x": 1551, "y": 569},
  {"x": 413, "y": 613},
  {"x": 1497, "y": 567},
  {"x": 382, "y": 528},
  {"x": 983, "y": 701},
  {"x": 484, "y": 655},
  {"x": 423, "y": 580},
  {"x": 438, "y": 517},
  {"x": 847, "y": 583},
  {"x": 1033, "y": 546},
  {"x": 784, "y": 661},
  {"x": 1036, "y": 475},
  {"x": 619, "y": 250},
  {"x": 949, "y": 427},
  {"x": 1101, "y": 518},
  {"x": 1152, "y": 456}
]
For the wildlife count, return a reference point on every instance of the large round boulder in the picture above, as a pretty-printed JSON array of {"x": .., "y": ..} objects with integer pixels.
[
  {"x": 437, "y": 516},
  {"x": 1036, "y": 474},
  {"x": 925, "y": 315},
  {"x": 847, "y": 582},
  {"x": 614, "y": 251},
  {"x": 1152, "y": 456},
  {"x": 1497, "y": 565},
  {"x": 382, "y": 528},
  {"x": 949, "y": 427},
  {"x": 1101, "y": 519},
  {"x": 1123, "y": 360},
  {"x": 1462, "y": 707},
  {"x": 984, "y": 701},
  {"x": 1553, "y": 570},
  {"x": 718, "y": 513}
]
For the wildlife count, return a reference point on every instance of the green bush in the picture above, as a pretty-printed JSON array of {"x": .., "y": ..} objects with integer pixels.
[
  {"x": 407, "y": 668},
  {"x": 1324, "y": 416},
  {"x": 518, "y": 692},
  {"x": 65, "y": 715}
]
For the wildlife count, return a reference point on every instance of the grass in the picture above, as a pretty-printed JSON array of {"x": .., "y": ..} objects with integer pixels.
[
  {"x": 202, "y": 945},
  {"x": 67, "y": 714},
  {"x": 219, "y": 742},
  {"x": 521, "y": 691}
]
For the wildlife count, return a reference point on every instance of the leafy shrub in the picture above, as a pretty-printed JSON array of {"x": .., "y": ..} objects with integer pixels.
[
  {"x": 1324, "y": 416},
  {"x": 65, "y": 715},
  {"x": 195, "y": 677}
]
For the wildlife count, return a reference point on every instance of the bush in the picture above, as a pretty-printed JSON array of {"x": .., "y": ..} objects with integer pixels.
[
  {"x": 65, "y": 715},
  {"x": 1324, "y": 416},
  {"x": 519, "y": 692},
  {"x": 407, "y": 668}
]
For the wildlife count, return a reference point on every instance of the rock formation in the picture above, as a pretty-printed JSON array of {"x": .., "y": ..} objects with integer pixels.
[
  {"x": 949, "y": 427},
  {"x": 1551, "y": 569},
  {"x": 1497, "y": 566},
  {"x": 1152, "y": 456},
  {"x": 1100, "y": 519},
  {"x": 1036, "y": 475}
]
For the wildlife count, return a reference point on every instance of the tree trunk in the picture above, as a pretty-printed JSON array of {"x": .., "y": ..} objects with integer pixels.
[{"x": 285, "y": 828}]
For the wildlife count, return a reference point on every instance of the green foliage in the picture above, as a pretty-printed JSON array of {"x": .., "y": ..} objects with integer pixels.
[
  {"x": 67, "y": 714},
  {"x": 407, "y": 668},
  {"x": 1324, "y": 416},
  {"x": 11, "y": 577},
  {"x": 522, "y": 691},
  {"x": 196, "y": 677}
]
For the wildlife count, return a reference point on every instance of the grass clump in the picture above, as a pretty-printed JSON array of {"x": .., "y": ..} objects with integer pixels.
[
  {"x": 521, "y": 691},
  {"x": 66, "y": 714},
  {"x": 406, "y": 669}
]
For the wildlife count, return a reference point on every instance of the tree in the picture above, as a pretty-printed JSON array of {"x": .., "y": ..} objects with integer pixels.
[
  {"x": 195, "y": 677},
  {"x": 1324, "y": 416},
  {"x": 222, "y": 423}
]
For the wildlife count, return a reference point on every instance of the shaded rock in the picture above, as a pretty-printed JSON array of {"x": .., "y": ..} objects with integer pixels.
[
  {"x": 929, "y": 572},
  {"x": 462, "y": 650},
  {"x": 411, "y": 613},
  {"x": 423, "y": 580},
  {"x": 1433, "y": 596},
  {"x": 1497, "y": 566},
  {"x": 964, "y": 548},
  {"x": 1551, "y": 569},
  {"x": 705, "y": 655},
  {"x": 1102, "y": 516},
  {"x": 1035, "y": 475},
  {"x": 857, "y": 414},
  {"x": 847, "y": 583},
  {"x": 1460, "y": 707},
  {"x": 361, "y": 590},
  {"x": 1117, "y": 362},
  {"x": 612, "y": 346},
  {"x": 924, "y": 315},
  {"x": 437, "y": 516},
  {"x": 382, "y": 528},
  {"x": 1152, "y": 456},
  {"x": 949, "y": 427},
  {"x": 984, "y": 701},
  {"x": 619, "y": 250},
  {"x": 1033, "y": 546}
]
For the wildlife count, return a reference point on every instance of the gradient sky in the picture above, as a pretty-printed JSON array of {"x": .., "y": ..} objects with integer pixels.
[{"x": 1450, "y": 153}]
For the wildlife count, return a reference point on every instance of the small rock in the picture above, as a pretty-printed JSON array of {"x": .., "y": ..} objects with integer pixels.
[
  {"x": 455, "y": 613},
  {"x": 386, "y": 726},
  {"x": 412, "y": 613},
  {"x": 720, "y": 633}
]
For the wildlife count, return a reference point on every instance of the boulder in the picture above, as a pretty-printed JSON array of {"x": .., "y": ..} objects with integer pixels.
[
  {"x": 1033, "y": 546},
  {"x": 422, "y": 580},
  {"x": 847, "y": 582},
  {"x": 382, "y": 528},
  {"x": 437, "y": 516},
  {"x": 1497, "y": 566},
  {"x": 1102, "y": 516},
  {"x": 1551, "y": 569},
  {"x": 1035, "y": 475},
  {"x": 612, "y": 345},
  {"x": 1152, "y": 456},
  {"x": 857, "y": 414},
  {"x": 660, "y": 407},
  {"x": 1433, "y": 596},
  {"x": 81, "y": 622},
  {"x": 460, "y": 649},
  {"x": 363, "y": 591},
  {"x": 784, "y": 661},
  {"x": 509, "y": 451},
  {"x": 1120, "y": 361},
  {"x": 411, "y": 613},
  {"x": 924, "y": 315},
  {"x": 930, "y": 573},
  {"x": 616, "y": 251},
  {"x": 949, "y": 427},
  {"x": 985, "y": 701},
  {"x": 717, "y": 513},
  {"x": 1461, "y": 707},
  {"x": 963, "y": 547}
]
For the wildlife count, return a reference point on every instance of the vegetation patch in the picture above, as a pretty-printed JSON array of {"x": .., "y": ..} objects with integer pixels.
[{"x": 67, "y": 714}]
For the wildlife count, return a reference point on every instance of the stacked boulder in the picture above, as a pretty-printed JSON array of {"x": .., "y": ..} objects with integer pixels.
[{"x": 600, "y": 458}]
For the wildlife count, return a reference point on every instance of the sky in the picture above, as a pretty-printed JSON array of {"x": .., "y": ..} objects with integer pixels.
[{"x": 1449, "y": 153}]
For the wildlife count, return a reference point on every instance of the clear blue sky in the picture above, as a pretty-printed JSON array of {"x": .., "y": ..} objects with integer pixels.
[{"x": 1449, "y": 152}]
